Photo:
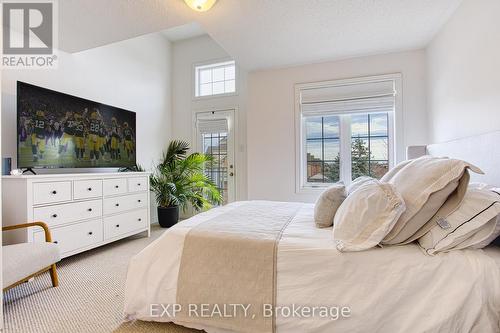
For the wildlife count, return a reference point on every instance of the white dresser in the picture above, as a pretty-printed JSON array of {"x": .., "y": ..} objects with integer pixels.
[{"x": 83, "y": 211}]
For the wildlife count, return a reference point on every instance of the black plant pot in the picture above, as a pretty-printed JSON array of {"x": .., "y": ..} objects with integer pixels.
[{"x": 168, "y": 216}]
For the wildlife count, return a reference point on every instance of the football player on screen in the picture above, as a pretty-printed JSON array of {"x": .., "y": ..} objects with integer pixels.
[
  {"x": 129, "y": 143},
  {"x": 115, "y": 139},
  {"x": 94, "y": 132},
  {"x": 120, "y": 142},
  {"x": 23, "y": 130},
  {"x": 58, "y": 133},
  {"x": 79, "y": 137},
  {"x": 38, "y": 135},
  {"x": 68, "y": 125},
  {"x": 102, "y": 140}
]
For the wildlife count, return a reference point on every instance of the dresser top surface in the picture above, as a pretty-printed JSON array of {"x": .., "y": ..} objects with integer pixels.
[{"x": 78, "y": 175}]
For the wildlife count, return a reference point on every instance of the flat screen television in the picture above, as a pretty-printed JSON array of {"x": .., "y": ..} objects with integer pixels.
[{"x": 56, "y": 130}]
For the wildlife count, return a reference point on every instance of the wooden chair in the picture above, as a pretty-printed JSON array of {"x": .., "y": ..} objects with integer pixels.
[{"x": 24, "y": 261}]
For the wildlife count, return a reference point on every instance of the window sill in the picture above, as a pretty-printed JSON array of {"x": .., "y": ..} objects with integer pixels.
[
  {"x": 311, "y": 189},
  {"x": 202, "y": 98}
]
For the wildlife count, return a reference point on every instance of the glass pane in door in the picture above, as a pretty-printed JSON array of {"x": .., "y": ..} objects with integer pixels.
[{"x": 215, "y": 145}]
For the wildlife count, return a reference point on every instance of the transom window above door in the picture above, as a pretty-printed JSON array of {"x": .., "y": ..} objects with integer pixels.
[
  {"x": 215, "y": 79},
  {"x": 346, "y": 129}
]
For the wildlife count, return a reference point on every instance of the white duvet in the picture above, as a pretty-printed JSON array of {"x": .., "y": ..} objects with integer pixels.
[{"x": 391, "y": 289}]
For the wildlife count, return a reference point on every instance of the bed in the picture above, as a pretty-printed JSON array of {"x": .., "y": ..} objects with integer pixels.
[{"x": 311, "y": 286}]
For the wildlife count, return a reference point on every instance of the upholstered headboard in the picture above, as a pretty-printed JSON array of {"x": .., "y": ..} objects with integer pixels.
[{"x": 481, "y": 150}]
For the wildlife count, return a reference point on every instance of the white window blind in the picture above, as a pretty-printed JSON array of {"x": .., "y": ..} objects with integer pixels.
[
  {"x": 208, "y": 126},
  {"x": 351, "y": 98}
]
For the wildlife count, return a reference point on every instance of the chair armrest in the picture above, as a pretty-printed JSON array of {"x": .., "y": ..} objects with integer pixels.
[{"x": 48, "y": 237}]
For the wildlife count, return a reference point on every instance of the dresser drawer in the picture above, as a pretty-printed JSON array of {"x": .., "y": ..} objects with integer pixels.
[
  {"x": 85, "y": 189},
  {"x": 73, "y": 237},
  {"x": 123, "y": 203},
  {"x": 51, "y": 192},
  {"x": 137, "y": 184},
  {"x": 65, "y": 213},
  {"x": 114, "y": 186},
  {"x": 117, "y": 225}
]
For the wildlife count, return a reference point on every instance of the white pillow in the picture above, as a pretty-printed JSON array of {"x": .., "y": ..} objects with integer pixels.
[
  {"x": 481, "y": 186},
  {"x": 496, "y": 232},
  {"x": 425, "y": 183},
  {"x": 327, "y": 204},
  {"x": 491, "y": 238},
  {"x": 366, "y": 216},
  {"x": 472, "y": 223},
  {"x": 479, "y": 237}
]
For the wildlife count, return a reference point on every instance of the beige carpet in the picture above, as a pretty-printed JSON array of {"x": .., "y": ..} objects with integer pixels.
[{"x": 89, "y": 297}]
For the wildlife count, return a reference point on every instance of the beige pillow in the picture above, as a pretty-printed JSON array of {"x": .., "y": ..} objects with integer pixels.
[
  {"x": 425, "y": 184},
  {"x": 441, "y": 201},
  {"x": 366, "y": 216},
  {"x": 467, "y": 226},
  {"x": 356, "y": 183},
  {"x": 327, "y": 204}
]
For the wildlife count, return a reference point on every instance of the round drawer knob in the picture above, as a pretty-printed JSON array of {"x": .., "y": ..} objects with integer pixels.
[
  {"x": 138, "y": 184},
  {"x": 89, "y": 189},
  {"x": 54, "y": 215},
  {"x": 90, "y": 209},
  {"x": 139, "y": 200},
  {"x": 117, "y": 225},
  {"x": 54, "y": 192},
  {"x": 55, "y": 242},
  {"x": 90, "y": 232},
  {"x": 139, "y": 219},
  {"x": 117, "y": 204},
  {"x": 116, "y": 186}
]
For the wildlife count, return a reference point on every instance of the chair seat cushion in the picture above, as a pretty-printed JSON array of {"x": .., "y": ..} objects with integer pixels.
[{"x": 22, "y": 260}]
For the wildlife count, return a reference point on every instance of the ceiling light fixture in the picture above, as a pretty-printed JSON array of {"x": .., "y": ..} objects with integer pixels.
[{"x": 200, "y": 5}]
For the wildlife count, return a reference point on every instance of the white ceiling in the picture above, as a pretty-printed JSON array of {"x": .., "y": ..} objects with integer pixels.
[
  {"x": 185, "y": 31},
  {"x": 263, "y": 33},
  {"x": 85, "y": 24}
]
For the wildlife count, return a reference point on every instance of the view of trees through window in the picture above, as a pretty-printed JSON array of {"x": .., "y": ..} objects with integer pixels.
[
  {"x": 369, "y": 146},
  {"x": 215, "y": 145}
]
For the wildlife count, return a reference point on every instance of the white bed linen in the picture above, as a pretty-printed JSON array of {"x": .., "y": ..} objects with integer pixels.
[{"x": 391, "y": 289}]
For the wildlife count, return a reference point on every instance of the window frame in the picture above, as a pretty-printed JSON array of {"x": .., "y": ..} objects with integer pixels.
[
  {"x": 209, "y": 63},
  {"x": 396, "y": 144}
]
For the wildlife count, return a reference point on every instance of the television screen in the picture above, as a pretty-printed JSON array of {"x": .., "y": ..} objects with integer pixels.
[{"x": 57, "y": 130}]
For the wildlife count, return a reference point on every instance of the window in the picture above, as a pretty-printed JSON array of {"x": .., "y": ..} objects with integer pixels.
[
  {"x": 323, "y": 149},
  {"x": 215, "y": 79},
  {"x": 346, "y": 130},
  {"x": 369, "y": 146}
]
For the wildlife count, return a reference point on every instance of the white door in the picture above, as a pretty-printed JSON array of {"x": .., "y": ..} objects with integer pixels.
[{"x": 215, "y": 137}]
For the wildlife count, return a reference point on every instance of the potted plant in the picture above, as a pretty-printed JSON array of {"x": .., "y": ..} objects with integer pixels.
[{"x": 179, "y": 180}]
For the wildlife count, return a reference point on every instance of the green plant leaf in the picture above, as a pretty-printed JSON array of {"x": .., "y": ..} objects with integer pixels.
[{"x": 179, "y": 179}]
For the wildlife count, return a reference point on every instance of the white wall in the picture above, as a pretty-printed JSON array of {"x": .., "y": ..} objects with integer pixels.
[
  {"x": 463, "y": 69},
  {"x": 134, "y": 74},
  {"x": 271, "y": 120},
  {"x": 185, "y": 54}
]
